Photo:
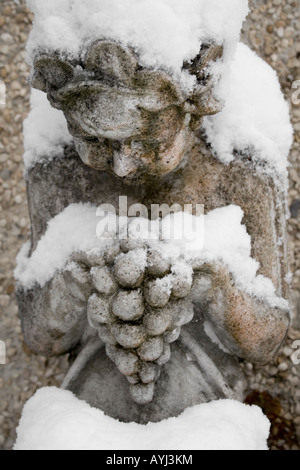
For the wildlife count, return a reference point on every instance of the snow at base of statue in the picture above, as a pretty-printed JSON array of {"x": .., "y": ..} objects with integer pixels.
[{"x": 55, "y": 419}]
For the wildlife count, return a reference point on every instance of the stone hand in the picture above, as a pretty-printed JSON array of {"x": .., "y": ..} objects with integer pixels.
[{"x": 246, "y": 325}]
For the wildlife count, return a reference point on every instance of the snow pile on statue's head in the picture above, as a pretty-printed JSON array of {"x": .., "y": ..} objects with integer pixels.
[
  {"x": 55, "y": 419},
  {"x": 165, "y": 33}
]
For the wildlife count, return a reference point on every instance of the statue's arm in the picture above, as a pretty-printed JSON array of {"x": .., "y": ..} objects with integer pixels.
[{"x": 250, "y": 328}]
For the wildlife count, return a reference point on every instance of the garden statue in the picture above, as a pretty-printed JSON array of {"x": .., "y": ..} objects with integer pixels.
[{"x": 149, "y": 332}]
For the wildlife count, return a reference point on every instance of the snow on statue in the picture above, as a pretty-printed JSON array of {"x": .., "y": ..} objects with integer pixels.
[{"x": 158, "y": 103}]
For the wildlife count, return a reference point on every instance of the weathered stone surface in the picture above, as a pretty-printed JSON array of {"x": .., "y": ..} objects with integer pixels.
[
  {"x": 105, "y": 334},
  {"x": 182, "y": 381},
  {"x": 157, "y": 321},
  {"x": 35, "y": 369},
  {"x": 112, "y": 61},
  {"x": 248, "y": 327},
  {"x": 144, "y": 144},
  {"x": 88, "y": 259},
  {"x": 142, "y": 394},
  {"x": 128, "y": 305},
  {"x": 165, "y": 357},
  {"x": 129, "y": 336},
  {"x": 112, "y": 253},
  {"x": 53, "y": 321},
  {"x": 197, "y": 180},
  {"x": 157, "y": 293},
  {"x": 130, "y": 245},
  {"x": 78, "y": 281},
  {"x": 182, "y": 312},
  {"x": 173, "y": 335},
  {"x": 148, "y": 372},
  {"x": 53, "y": 71},
  {"x": 201, "y": 168},
  {"x": 182, "y": 286},
  {"x": 126, "y": 361},
  {"x": 157, "y": 265},
  {"x": 151, "y": 349},
  {"x": 204, "y": 180},
  {"x": 127, "y": 325}
]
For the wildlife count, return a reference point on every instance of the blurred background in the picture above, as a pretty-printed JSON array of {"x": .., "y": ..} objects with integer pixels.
[{"x": 273, "y": 31}]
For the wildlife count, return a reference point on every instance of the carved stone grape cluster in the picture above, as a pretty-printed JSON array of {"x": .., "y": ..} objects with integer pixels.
[{"x": 138, "y": 304}]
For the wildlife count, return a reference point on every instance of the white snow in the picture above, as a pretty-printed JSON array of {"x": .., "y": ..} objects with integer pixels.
[
  {"x": 45, "y": 131},
  {"x": 225, "y": 241},
  {"x": 165, "y": 284},
  {"x": 164, "y": 32},
  {"x": 183, "y": 270},
  {"x": 55, "y": 419},
  {"x": 255, "y": 118}
]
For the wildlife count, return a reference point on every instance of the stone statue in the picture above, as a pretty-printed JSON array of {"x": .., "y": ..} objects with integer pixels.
[{"x": 139, "y": 351}]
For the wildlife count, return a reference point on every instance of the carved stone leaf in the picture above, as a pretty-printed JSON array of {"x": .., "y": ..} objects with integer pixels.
[
  {"x": 55, "y": 71},
  {"x": 111, "y": 62}
]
